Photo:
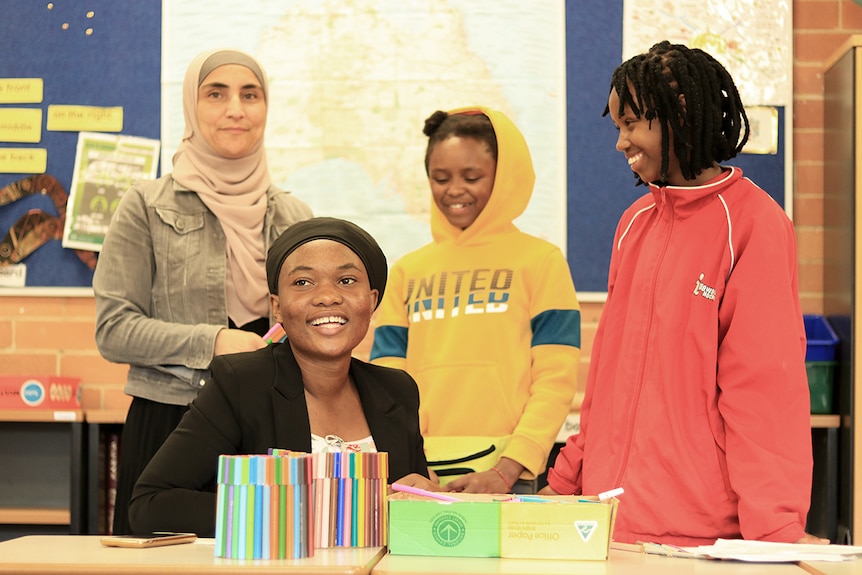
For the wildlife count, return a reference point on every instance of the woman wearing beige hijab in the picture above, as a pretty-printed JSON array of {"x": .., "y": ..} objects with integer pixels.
[{"x": 181, "y": 275}]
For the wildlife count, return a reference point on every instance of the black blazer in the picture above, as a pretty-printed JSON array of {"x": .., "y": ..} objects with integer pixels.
[{"x": 255, "y": 401}]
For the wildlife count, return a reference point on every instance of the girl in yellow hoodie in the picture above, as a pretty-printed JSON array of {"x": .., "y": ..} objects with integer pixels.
[{"x": 485, "y": 317}]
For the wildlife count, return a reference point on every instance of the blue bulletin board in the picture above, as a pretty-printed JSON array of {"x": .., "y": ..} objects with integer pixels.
[
  {"x": 119, "y": 64},
  {"x": 116, "y": 64},
  {"x": 600, "y": 184}
]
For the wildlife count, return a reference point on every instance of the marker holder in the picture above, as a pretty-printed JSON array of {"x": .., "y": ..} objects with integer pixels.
[{"x": 263, "y": 508}]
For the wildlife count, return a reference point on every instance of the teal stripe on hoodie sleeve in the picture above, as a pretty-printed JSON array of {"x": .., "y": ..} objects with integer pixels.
[
  {"x": 389, "y": 341},
  {"x": 556, "y": 327}
]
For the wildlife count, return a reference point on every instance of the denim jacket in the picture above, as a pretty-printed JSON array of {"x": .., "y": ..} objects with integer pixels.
[{"x": 160, "y": 285}]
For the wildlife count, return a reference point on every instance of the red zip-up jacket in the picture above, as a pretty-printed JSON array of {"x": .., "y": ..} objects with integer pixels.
[{"x": 697, "y": 400}]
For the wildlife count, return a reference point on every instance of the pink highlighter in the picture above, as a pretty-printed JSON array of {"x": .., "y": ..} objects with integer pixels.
[{"x": 423, "y": 492}]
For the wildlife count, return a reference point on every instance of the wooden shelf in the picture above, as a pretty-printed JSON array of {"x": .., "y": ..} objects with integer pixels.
[
  {"x": 842, "y": 264},
  {"x": 34, "y": 516},
  {"x": 43, "y": 469},
  {"x": 106, "y": 415},
  {"x": 825, "y": 421},
  {"x": 42, "y": 415}
]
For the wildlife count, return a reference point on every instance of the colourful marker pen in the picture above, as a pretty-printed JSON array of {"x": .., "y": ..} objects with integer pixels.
[
  {"x": 610, "y": 493},
  {"x": 532, "y": 499},
  {"x": 275, "y": 333},
  {"x": 423, "y": 492}
]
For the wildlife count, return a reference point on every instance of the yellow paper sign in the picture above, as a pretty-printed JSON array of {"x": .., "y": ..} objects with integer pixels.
[
  {"x": 20, "y": 90},
  {"x": 85, "y": 118},
  {"x": 20, "y": 125},
  {"x": 23, "y": 160}
]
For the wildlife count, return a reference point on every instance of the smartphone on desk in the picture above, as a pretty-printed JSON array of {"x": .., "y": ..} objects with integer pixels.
[{"x": 157, "y": 539}]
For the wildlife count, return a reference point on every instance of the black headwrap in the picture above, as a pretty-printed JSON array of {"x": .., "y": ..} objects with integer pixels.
[{"x": 340, "y": 231}]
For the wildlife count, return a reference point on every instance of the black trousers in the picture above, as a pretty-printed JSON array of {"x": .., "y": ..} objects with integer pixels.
[{"x": 148, "y": 425}]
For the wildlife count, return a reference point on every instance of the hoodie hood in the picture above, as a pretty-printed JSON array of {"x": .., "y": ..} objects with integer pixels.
[{"x": 513, "y": 185}]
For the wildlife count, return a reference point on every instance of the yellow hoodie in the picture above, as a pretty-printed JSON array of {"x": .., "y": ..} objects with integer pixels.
[{"x": 487, "y": 321}]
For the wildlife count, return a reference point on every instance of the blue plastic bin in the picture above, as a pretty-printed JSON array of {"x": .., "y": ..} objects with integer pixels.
[
  {"x": 820, "y": 361},
  {"x": 822, "y": 341}
]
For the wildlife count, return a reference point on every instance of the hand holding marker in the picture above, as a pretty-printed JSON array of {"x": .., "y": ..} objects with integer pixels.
[{"x": 274, "y": 334}]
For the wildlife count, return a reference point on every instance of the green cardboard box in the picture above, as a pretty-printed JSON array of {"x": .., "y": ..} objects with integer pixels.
[
  {"x": 482, "y": 525},
  {"x": 421, "y": 526}
]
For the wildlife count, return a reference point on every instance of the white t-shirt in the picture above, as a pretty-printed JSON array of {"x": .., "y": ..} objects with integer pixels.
[{"x": 333, "y": 443}]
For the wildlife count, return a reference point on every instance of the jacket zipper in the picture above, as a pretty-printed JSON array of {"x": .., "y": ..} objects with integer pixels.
[{"x": 636, "y": 403}]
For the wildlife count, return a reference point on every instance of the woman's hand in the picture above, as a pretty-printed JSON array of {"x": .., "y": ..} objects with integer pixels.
[
  {"x": 236, "y": 341},
  {"x": 417, "y": 480}
]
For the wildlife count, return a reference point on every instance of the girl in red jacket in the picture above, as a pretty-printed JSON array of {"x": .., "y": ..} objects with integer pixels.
[{"x": 697, "y": 401}]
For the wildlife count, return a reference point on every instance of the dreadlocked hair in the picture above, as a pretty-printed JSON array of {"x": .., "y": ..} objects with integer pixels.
[
  {"x": 440, "y": 126},
  {"x": 691, "y": 93}
]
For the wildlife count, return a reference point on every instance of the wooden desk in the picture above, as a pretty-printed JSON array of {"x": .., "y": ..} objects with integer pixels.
[
  {"x": 829, "y": 568},
  {"x": 65, "y": 554},
  {"x": 618, "y": 563}
]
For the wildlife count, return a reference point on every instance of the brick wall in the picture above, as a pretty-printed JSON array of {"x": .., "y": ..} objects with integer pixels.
[
  {"x": 820, "y": 28},
  {"x": 55, "y": 335}
]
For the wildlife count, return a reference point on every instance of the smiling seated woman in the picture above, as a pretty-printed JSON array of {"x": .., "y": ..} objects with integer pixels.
[{"x": 325, "y": 278}]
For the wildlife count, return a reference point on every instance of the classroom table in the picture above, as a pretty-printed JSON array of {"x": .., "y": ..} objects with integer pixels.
[
  {"x": 67, "y": 554},
  {"x": 832, "y": 568},
  {"x": 618, "y": 563},
  {"x": 78, "y": 554}
]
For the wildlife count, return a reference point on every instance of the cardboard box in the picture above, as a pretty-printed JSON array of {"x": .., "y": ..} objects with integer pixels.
[
  {"x": 39, "y": 392},
  {"x": 421, "y": 526},
  {"x": 564, "y": 529},
  {"x": 560, "y": 527}
]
